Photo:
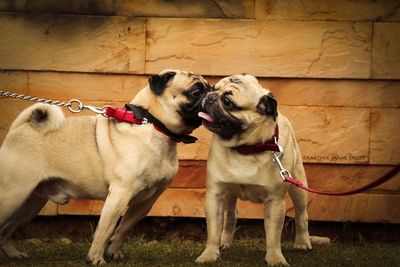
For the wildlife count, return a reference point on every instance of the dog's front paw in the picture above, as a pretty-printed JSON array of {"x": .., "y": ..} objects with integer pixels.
[
  {"x": 208, "y": 255},
  {"x": 275, "y": 257},
  {"x": 95, "y": 260}
]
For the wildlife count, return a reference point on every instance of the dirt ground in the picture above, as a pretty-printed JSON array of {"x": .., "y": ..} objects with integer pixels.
[{"x": 159, "y": 228}]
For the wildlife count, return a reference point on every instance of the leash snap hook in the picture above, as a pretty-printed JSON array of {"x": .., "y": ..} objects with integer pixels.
[
  {"x": 95, "y": 110},
  {"x": 277, "y": 158}
]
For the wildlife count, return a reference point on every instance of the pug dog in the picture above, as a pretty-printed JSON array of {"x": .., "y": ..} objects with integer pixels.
[
  {"x": 242, "y": 115},
  {"x": 45, "y": 156}
]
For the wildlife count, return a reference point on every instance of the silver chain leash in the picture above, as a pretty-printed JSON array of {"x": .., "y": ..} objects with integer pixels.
[{"x": 79, "y": 105}]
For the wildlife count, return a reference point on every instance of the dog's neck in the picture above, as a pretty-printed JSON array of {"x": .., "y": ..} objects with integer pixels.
[
  {"x": 145, "y": 99},
  {"x": 255, "y": 134},
  {"x": 141, "y": 113},
  {"x": 268, "y": 145},
  {"x": 145, "y": 104},
  {"x": 149, "y": 101}
]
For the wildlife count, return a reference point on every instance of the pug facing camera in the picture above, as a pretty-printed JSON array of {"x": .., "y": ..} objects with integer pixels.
[{"x": 243, "y": 117}]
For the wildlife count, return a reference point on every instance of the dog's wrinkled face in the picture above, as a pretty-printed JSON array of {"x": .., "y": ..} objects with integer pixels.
[
  {"x": 237, "y": 107},
  {"x": 179, "y": 97}
]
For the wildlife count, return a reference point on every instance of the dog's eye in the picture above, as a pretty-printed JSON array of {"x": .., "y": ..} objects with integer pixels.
[
  {"x": 196, "y": 92},
  {"x": 226, "y": 102}
]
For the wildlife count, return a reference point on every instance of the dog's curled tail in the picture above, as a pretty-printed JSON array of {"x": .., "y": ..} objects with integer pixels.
[{"x": 44, "y": 118}]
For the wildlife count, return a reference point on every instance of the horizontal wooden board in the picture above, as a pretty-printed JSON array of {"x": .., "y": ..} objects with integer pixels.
[
  {"x": 372, "y": 208},
  {"x": 339, "y": 10},
  {"x": 187, "y": 8},
  {"x": 263, "y": 48},
  {"x": 386, "y": 51},
  {"x": 323, "y": 177},
  {"x": 186, "y": 195},
  {"x": 72, "y": 43},
  {"x": 99, "y": 7},
  {"x": 138, "y": 8},
  {"x": 344, "y": 132},
  {"x": 325, "y": 135},
  {"x": 335, "y": 93},
  {"x": 376, "y": 208},
  {"x": 93, "y": 87},
  {"x": 289, "y": 92}
]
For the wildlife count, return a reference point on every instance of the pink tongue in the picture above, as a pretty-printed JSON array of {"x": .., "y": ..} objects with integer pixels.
[{"x": 205, "y": 116}]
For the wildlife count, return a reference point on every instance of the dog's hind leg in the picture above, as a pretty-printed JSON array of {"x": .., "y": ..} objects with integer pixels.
[{"x": 32, "y": 205}]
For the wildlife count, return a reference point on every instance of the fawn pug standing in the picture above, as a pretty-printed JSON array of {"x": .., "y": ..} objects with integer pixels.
[
  {"x": 243, "y": 115},
  {"x": 45, "y": 156}
]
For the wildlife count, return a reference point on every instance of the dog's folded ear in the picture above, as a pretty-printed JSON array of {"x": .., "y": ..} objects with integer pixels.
[
  {"x": 268, "y": 106},
  {"x": 159, "y": 82}
]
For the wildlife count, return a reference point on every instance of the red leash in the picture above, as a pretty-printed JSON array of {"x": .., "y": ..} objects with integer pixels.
[
  {"x": 377, "y": 182},
  {"x": 286, "y": 177}
]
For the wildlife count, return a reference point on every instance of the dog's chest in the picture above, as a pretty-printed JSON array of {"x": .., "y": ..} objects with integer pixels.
[
  {"x": 253, "y": 193},
  {"x": 248, "y": 169},
  {"x": 249, "y": 178}
]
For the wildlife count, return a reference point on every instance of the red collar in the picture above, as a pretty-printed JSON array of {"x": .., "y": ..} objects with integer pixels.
[
  {"x": 269, "y": 145},
  {"x": 121, "y": 114}
]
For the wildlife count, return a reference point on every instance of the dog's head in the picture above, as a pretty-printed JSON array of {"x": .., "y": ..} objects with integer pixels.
[
  {"x": 174, "y": 97},
  {"x": 240, "y": 111}
]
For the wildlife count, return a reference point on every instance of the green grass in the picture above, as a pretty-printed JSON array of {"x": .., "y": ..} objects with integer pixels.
[{"x": 175, "y": 252}]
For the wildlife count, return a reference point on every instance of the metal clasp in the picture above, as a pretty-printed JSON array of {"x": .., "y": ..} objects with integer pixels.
[
  {"x": 277, "y": 158},
  {"x": 81, "y": 107},
  {"x": 95, "y": 110}
]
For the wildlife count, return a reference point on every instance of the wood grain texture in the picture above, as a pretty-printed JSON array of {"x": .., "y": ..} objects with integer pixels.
[
  {"x": 263, "y": 48},
  {"x": 137, "y": 8},
  {"x": 385, "y": 136},
  {"x": 324, "y": 177},
  {"x": 386, "y": 52},
  {"x": 72, "y": 43},
  {"x": 339, "y": 10},
  {"x": 325, "y": 134},
  {"x": 373, "y": 208}
]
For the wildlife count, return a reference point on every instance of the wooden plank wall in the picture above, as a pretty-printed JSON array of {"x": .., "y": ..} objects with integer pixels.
[{"x": 333, "y": 65}]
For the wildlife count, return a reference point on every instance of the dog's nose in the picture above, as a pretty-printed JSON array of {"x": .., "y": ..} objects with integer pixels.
[{"x": 212, "y": 98}]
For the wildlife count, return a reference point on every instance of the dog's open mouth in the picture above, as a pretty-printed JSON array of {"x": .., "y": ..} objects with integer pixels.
[{"x": 206, "y": 116}]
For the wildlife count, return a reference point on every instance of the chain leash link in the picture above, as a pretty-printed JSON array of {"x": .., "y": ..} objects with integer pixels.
[{"x": 79, "y": 105}]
